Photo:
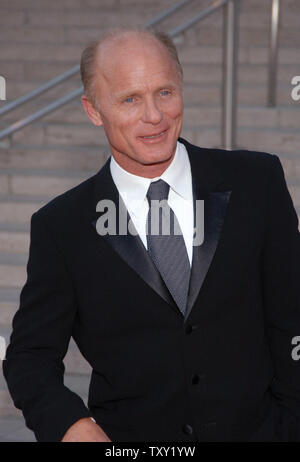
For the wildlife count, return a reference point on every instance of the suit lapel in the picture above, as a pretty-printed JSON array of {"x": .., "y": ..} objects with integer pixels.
[
  {"x": 207, "y": 182},
  {"x": 128, "y": 246},
  {"x": 208, "y": 185},
  {"x": 215, "y": 204}
]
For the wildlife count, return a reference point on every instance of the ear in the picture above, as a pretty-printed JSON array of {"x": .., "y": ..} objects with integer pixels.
[{"x": 92, "y": 113}]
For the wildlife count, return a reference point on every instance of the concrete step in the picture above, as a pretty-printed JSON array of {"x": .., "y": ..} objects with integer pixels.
[
  {"x": 10, "y": 295},
  {"x": 74, "y": 362},
  {"x": 9, "y": 303},
  {"x": 7, "y": 311},
  {"x": 81, "y": 4},
  {"x": 133, "y": 13},
  {"x": 295, "y": 194},
  {"x": 14, "y": 211},
  {"x": 208, "y": 34},
  {"x": 250, "y": 116},
  {"x": 248, "y": 55},
  {"x": 291, "y": 167},
  {"x": 61, "y": 134},
  {"x": 19, "y": 259},
  {"x": 13, "y": 240},
  {"x": 12, "y": 275},
  {"x": 211, "y": 35},
  {"x": 248, "y": 95},
  {"x": 271, "y": 140},
  {"x": 13, "y": 430},
  {"x": 7, "y": 407},
  {"x": 258, "y": 5},
  {"x": 285, "y": 141},
  {"x": 83, "y": 158},
  {"x": 39, "y": 182}
]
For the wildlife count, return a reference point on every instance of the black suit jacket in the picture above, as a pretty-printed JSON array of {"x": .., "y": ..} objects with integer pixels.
[{"x": 223, "y": 373}]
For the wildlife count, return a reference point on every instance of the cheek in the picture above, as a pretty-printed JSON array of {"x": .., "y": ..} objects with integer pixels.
[
  {"x": 127, "y": 119},
  {"x": 130, "y": 125},
  {"x": 174, "y": 110},
  {"x": 117, "y": 125}
]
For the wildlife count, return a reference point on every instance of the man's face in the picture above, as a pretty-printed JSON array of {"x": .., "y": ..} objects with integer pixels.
[{"x": 139, "y": 92}]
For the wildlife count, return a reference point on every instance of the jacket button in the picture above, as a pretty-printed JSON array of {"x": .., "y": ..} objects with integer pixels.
[
  {"x": 189, "y": 328},
  {"x": 195, "y": 379},
  {"x": 187, "y": 429}
]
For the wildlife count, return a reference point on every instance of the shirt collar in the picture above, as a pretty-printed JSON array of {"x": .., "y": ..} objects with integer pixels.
[{"x": 133, "y": 188}]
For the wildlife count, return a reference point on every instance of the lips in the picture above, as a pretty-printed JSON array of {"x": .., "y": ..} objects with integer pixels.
[{"x": 154, "y": 135}]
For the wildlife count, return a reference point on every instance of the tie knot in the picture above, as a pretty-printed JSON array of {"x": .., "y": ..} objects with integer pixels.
[{"x": 158, "y": 190}]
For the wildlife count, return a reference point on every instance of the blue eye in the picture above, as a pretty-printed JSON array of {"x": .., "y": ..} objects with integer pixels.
[
  {"x": 164, "y": 92},
  {"x": 129, "y": 99}
]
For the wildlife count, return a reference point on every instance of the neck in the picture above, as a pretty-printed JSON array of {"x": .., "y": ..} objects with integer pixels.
[{"x": 144, "y": 170}]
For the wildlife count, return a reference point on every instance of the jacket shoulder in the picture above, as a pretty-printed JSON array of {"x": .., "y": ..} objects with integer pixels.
[{"x": 238, "y": 164}]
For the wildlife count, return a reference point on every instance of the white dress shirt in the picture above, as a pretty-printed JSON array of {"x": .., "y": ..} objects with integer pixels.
[{"x": 133, "y": 190}]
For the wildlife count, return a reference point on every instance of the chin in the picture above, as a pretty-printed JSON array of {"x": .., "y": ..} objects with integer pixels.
[
  {"x": 159, "y": 155},
  {"x": 154, "y": 159}
]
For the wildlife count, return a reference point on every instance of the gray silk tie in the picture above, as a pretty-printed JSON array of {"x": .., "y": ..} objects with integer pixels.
[{"x": 166, "y": 245}]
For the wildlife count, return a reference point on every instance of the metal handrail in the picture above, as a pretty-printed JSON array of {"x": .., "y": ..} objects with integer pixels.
[
  {"x": 38, "y": 91},
  {"x": 230, "y": 67},
  {"x": 273, "y": 52},
  {"x": 166, "y": 14},
  {"x": 203, "y": 14},
  {"x": 229, "y": 76},
  {"x": 40, "y": 113}
]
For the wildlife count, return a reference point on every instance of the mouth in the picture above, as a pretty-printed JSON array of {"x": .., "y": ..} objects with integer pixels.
[{"x": 154, "y": 137}]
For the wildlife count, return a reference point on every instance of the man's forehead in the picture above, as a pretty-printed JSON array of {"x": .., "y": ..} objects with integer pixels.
[
  {"x": 116, "y": 51},
  {"x": 122, "y": 80},
  {"x": 128, "y": 39}
]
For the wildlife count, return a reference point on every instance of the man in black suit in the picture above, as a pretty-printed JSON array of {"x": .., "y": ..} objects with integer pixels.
[{"x": 187, "y": 342}]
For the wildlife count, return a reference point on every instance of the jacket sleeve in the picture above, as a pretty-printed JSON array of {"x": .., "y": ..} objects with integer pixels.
[
  {"x": 281, "y": 290},
  {"x": 42, "y": 328}
]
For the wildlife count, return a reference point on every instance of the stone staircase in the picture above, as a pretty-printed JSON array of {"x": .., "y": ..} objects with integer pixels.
[{"x": 40, "y": 40}]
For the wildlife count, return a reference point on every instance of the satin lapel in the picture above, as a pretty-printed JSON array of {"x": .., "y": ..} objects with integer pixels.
[
  {"x": 129, "y": 246},
  {"x": 209, "y": 185},
  {"x": 215, "y": 204}
]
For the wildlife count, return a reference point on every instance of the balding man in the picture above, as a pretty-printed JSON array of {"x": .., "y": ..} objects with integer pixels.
[{"x": 189, "y": 340}]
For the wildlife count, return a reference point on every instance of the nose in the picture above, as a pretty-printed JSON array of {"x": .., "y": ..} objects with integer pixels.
[{"x": 152, "y": 113}]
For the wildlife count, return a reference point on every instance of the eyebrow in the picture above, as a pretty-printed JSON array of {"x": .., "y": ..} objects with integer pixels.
[
  {"x": 126, "y": 94},
  {"x": 136, "y": 92}
]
